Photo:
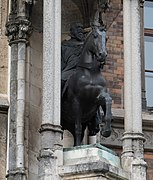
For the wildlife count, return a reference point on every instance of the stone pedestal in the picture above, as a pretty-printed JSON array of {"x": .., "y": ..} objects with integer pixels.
[{"x": 91, "y": 162}]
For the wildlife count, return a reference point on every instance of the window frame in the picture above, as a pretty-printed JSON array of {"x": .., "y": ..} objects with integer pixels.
[{"x": 149, "y": 33}]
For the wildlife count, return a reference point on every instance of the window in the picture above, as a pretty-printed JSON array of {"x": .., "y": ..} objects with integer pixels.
[
  {"x": 148, "y": 14},
  {"x": 148, "y": 44}
]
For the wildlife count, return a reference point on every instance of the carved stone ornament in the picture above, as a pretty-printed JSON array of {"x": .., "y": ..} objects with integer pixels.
[
  {"x": 19, "y": 30},
  {"x": 104, "y": 4},
  {"x": 13, "y": 6},
  {"x": 28, "y": 1},
  {"x": 141, "y": 3}
]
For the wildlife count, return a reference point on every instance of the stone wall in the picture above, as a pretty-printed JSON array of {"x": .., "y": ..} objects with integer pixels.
[
  {"x": 33, "y": 103},
  {"x": 149, "y": 160},
  {"x": 3, "y": 142},
  {"x": 3, "y": 49},
  {"x": 113, "y": 18},
  {"x": 70, "y": 14},
  {"x": 3, "y": 88},
  {"x": 114, "y": 70}
]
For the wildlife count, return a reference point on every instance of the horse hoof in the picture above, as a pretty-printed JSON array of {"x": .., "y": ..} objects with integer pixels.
[{"x": 106, "y": 133}]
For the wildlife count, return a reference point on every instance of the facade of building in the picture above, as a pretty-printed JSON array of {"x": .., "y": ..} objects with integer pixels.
[{"x": 31, "y": 145}]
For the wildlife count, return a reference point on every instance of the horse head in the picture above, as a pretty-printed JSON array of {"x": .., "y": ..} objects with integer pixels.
[
  {"x": 99, "y": 44},
  {"x": 99, "y": 41}
]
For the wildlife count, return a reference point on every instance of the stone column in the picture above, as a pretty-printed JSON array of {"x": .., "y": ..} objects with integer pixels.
[
  {"x": 132, "y": 156},
  {"x": 51, "y": 148},
  {"x": 18, "y": 28}
]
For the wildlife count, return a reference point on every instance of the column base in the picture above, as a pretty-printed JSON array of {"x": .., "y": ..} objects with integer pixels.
[
  {"x": 17, "y": 174},
  {"x": 51, "y": 153},
  {"x": 49, "y": 160},
  {"x": 139, "y": 168},
  {"x": 132, "y": 155},
  {"x": 51, "y": 136}
]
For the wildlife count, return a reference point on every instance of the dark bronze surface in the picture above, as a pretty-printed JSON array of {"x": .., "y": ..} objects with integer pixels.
[{"x": 85, "y": 100}]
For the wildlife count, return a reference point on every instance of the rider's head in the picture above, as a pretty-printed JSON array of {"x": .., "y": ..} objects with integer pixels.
[{"x": 77, "y": 32}]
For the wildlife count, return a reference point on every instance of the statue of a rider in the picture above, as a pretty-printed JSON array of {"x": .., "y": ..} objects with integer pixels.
[
  {"x": 71, "y": 51},
  {"x": 70, "y": 54}
]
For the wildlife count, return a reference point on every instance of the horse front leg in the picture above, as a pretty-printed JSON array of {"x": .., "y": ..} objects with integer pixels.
[
  {"x": 78, "y": 123},
  {"x": 78, "y": 132},
  {"x": 106, "y": 104}
]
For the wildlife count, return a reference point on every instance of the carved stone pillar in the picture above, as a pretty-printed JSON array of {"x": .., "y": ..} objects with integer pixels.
[
  {"x": 51, "y": 148},
  {"x": 18, "y": 29},
  {"x": 132, "y": 156}
]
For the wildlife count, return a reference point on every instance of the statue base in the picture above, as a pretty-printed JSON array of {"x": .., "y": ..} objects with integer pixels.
[{"x": 91, "y": 162}]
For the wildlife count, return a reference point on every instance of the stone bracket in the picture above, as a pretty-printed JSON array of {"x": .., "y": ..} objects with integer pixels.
[{"x": 46, "y": 153}]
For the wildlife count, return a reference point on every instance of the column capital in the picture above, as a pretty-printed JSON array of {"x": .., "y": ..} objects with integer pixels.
[{"x": 18, "y": 30}]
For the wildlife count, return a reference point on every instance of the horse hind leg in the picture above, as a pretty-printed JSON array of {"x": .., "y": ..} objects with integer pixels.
[
  {"x": 93, "y": 125},
  {"x": 78, "y": 123},
  {"x": 78, "y": 134},
  {"x": 106, "y": 101}
]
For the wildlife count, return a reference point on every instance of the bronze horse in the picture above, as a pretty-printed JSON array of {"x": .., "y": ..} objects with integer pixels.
[{"x": 86, "y": 91}]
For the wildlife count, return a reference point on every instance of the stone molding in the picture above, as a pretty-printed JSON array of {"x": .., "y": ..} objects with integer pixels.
[
  {"x": 53, "y": 133},
  {"x": 50, "y": 127},
  {"x": 96, "y": 170},
  {"x": 4, "y": 105},
  {"x": 13, "y": 173}
]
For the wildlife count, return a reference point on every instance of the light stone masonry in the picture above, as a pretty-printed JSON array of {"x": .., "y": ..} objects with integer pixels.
[
  {"x": 51, "y": 154},
  {"x": 133, "y": 138},
  {"x": 3, "y": 49},
  {"x": 91, "y": 162}
]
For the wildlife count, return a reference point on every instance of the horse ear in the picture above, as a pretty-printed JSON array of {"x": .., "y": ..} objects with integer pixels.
[
  {"x": 96, "y": 20},
  {"x": 107, "y": 38},
  {"x": 94, "y": 32}
]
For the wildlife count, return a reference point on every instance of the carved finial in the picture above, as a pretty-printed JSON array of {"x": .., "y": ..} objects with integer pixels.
[
  {"x": 103, "y": 5},
  {"x": 142, "y": 3}
]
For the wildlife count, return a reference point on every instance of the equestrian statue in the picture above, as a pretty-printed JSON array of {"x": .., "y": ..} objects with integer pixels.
[{"x": 85, "y": 101}]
